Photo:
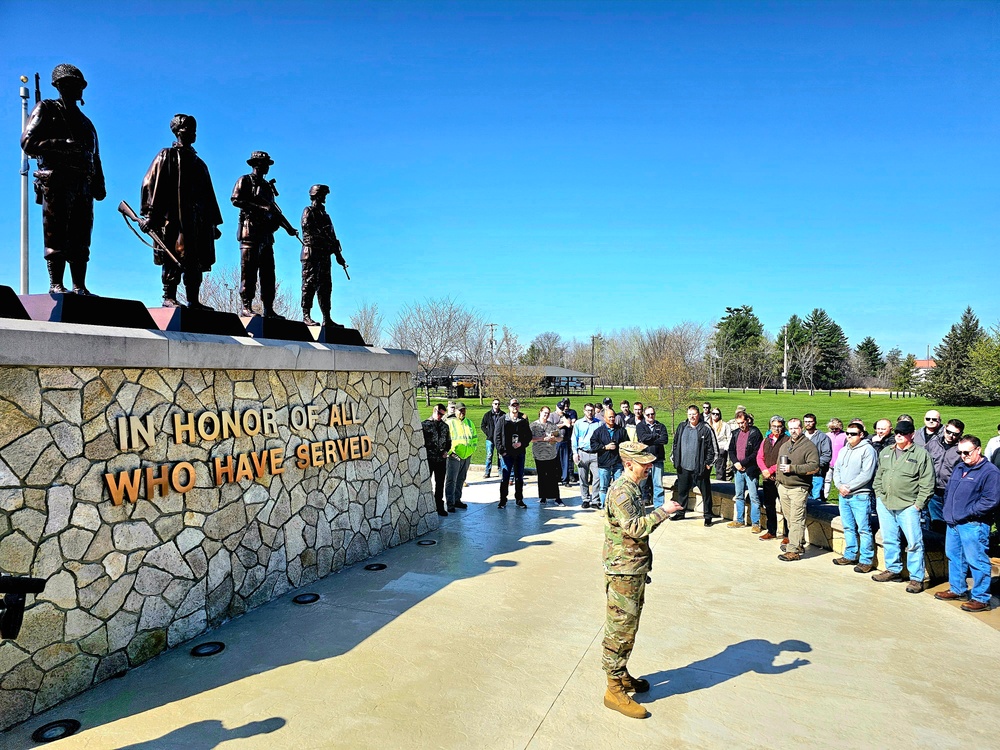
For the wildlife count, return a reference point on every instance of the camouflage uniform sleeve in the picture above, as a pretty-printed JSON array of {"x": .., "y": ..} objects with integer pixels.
[{"x": 622, "y": 509}]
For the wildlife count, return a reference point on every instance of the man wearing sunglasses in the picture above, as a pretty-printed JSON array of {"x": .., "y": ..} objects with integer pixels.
[
  {"x": 512, "y": 436},
  {"x": 971, "y": 498},
  {"x": 931, "y": 428},
  {"x": 853, "y": 477},
  {"x": 903, "y": 482},
  {"x": 944, "y": 454}
]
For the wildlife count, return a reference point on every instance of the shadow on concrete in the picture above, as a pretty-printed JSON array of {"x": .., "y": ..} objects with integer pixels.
[
  {"x": 756, "y": 655},
  {"x": 354, "y": 605},
  {"x": 205, "y": 735}
]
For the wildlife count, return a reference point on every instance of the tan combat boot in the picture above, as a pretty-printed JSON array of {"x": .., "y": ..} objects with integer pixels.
[
  {"x": 617, "y": 699},
  {"x": 634, "y": 684}
]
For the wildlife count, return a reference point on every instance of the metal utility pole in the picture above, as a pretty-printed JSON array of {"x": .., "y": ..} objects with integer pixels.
[
  {"x": 594, "y": 338},
  {"x": 493, "y": 328},
  {"x": 784, "y": 372},
  {"x": 24, "y": 192}
]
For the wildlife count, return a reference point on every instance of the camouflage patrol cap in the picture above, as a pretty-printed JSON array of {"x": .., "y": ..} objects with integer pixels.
[
  {"x": 635, "y": 452},
  {"x": 317, "y": 190},
  {"x": 63, "y": 71}
]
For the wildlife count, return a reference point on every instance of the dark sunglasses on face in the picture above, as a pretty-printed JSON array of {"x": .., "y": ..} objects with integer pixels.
[
  {"x": 931, "y": 419},
  {"x": 966, "y": 453},
  {"x": 853, "y": 434},
  {"x": 956, "y": 433}
]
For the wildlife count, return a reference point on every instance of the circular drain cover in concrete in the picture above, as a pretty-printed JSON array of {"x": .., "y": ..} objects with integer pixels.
[
  {"x": 211, "y": 648},
  {"x": 376, "y": 566},
  {"x": 305, "y": 599},
  {"x": 55, "y": 730},
  {"x": 426, "y": 543}
]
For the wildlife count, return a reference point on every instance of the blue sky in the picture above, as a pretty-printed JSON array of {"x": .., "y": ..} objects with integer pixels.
[{"x": 564, "y": 166}]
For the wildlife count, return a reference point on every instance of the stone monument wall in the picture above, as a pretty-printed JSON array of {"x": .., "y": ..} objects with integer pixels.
[{"x": 164, "y": 483}]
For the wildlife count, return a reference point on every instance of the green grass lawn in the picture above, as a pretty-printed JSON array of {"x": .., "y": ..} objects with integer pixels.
[{"x": 979, "y": 421}]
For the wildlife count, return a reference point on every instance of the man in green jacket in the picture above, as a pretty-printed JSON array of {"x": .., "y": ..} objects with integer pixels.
[
  {"x": 798, "y": 461},
  {"x": 464, "y": 440},
  {"x": 903, "y": 482}
]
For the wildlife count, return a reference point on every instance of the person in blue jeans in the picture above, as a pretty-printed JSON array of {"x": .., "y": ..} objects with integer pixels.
[
  {"x": 822, "y": 442},
  {"x": 743, "y": 447},
  {"x": 605, "y": 442},
  {"x": 972, "y": 496},
  {"x": 903, "y": 482},
  {"x": 853, "y": 476},
  {"x": 487, "y": 428},
  {"x": 654, "y": 436}
]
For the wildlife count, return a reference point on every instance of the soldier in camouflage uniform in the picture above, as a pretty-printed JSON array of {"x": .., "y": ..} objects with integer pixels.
[
  {"x": 627, "y": 560},
  {"x": 319, "y": 242}
]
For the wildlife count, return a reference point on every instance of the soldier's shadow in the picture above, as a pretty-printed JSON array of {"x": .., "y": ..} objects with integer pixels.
[{"x": 757, "y": 655}]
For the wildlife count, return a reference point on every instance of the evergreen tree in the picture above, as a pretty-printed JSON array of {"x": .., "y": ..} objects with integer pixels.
[
  {"x": 829, "y": 339},
  {"x": 869, "y": 357},
  {"x": 949, "y": 382},
  {"x": 985, "y": 364},
  {"x": 905, "y": 376},
  {"x": 737, "y": 344}
]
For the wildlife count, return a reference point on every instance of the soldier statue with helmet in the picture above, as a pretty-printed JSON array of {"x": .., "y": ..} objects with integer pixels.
[
  {"x": 69, "y": 177},
  {"x": 319, "y": 242}
]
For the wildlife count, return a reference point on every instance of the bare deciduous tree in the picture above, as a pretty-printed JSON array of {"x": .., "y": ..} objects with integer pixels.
[
  {"x": 476, "y": 350},
  {"x": 507, "y": 377},
  {"x": 433, "y": 331},
  {"x": 369, "y": 322}
]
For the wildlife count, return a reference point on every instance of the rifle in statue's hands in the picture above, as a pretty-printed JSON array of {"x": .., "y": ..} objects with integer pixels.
[
  {"x": 282, "y": 221},
  {"x": 338, "y": 249},
  {"x": 127, "y": 213}
]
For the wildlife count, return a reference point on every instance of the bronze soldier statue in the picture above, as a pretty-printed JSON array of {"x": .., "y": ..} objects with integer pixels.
[
  {"x": 319, "y": 241},
  {"x": 179, "y": 204},
  {"x": 69, "y": 177},
  {"x": 260, "y": 218}
]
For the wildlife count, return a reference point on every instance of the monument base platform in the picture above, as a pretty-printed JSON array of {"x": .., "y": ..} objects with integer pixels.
[
  {"x": 188, "y": 320},
  {"x": 277, "y": 328},
  {"x": 88, "y": 310},
  {"x": 338, "y": 334},
  {"x": 10, "y": 305}
]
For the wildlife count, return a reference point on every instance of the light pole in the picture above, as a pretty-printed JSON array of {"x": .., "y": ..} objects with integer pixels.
[{"x": 24, "y": 192}]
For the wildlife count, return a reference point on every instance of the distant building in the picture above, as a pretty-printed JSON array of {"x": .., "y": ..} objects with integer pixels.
[
  {"x": 923, "y": 366},
  {"x": 462, "y": 380}
]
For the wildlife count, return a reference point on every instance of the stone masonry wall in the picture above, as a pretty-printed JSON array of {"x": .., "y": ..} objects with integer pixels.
[{"x": 127, "y": 581}]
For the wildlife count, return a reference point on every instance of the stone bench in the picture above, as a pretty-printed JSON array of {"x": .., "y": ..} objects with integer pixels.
[{"x": 824, "y": 528}]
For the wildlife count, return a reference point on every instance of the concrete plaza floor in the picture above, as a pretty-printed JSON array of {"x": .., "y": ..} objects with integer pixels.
[{"x": 492, "y": 639}]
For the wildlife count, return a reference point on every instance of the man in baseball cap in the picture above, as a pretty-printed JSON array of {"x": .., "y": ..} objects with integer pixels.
[{"x": 627, "y": 561}]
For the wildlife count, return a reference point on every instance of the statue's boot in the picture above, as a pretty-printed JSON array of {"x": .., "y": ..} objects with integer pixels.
[
  {"x": 270, "y": 313},
  {"x": 78, "y": 271},
  {"x": 327, "y": 321},
  {"x": 57, "y": 266},
  {"x": 170, "y": 296},
  {"x": 307, "y": 318},
  {"x": 618, "y": 700},
  {"x": 634, "y": 684},
  {"x": 247, "y": 311},
  {"x": 193, "y": 290}
]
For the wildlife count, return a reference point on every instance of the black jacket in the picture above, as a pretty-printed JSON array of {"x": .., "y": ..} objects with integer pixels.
[
  {"x": 488, "y": 426},
  {"x": 437, "y": 439},
  {"x": 655, "y": 437},
  {"x": 608, "y": 459},
  {"x": 503, "y": 435},
  {"x": 706, "y": 445},
  {"x": 754, "y": 439}
]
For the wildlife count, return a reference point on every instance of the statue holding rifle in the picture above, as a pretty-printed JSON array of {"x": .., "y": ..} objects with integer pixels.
[
  {"x": 319, "y": 242},
  {"x": 69, "y": 177},
  {"x": 260, "y": 218},
  {"x": 180, "y": 210}
]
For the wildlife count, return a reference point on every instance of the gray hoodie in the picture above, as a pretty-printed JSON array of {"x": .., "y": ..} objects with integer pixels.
[{"x": 856, "y": 467}]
